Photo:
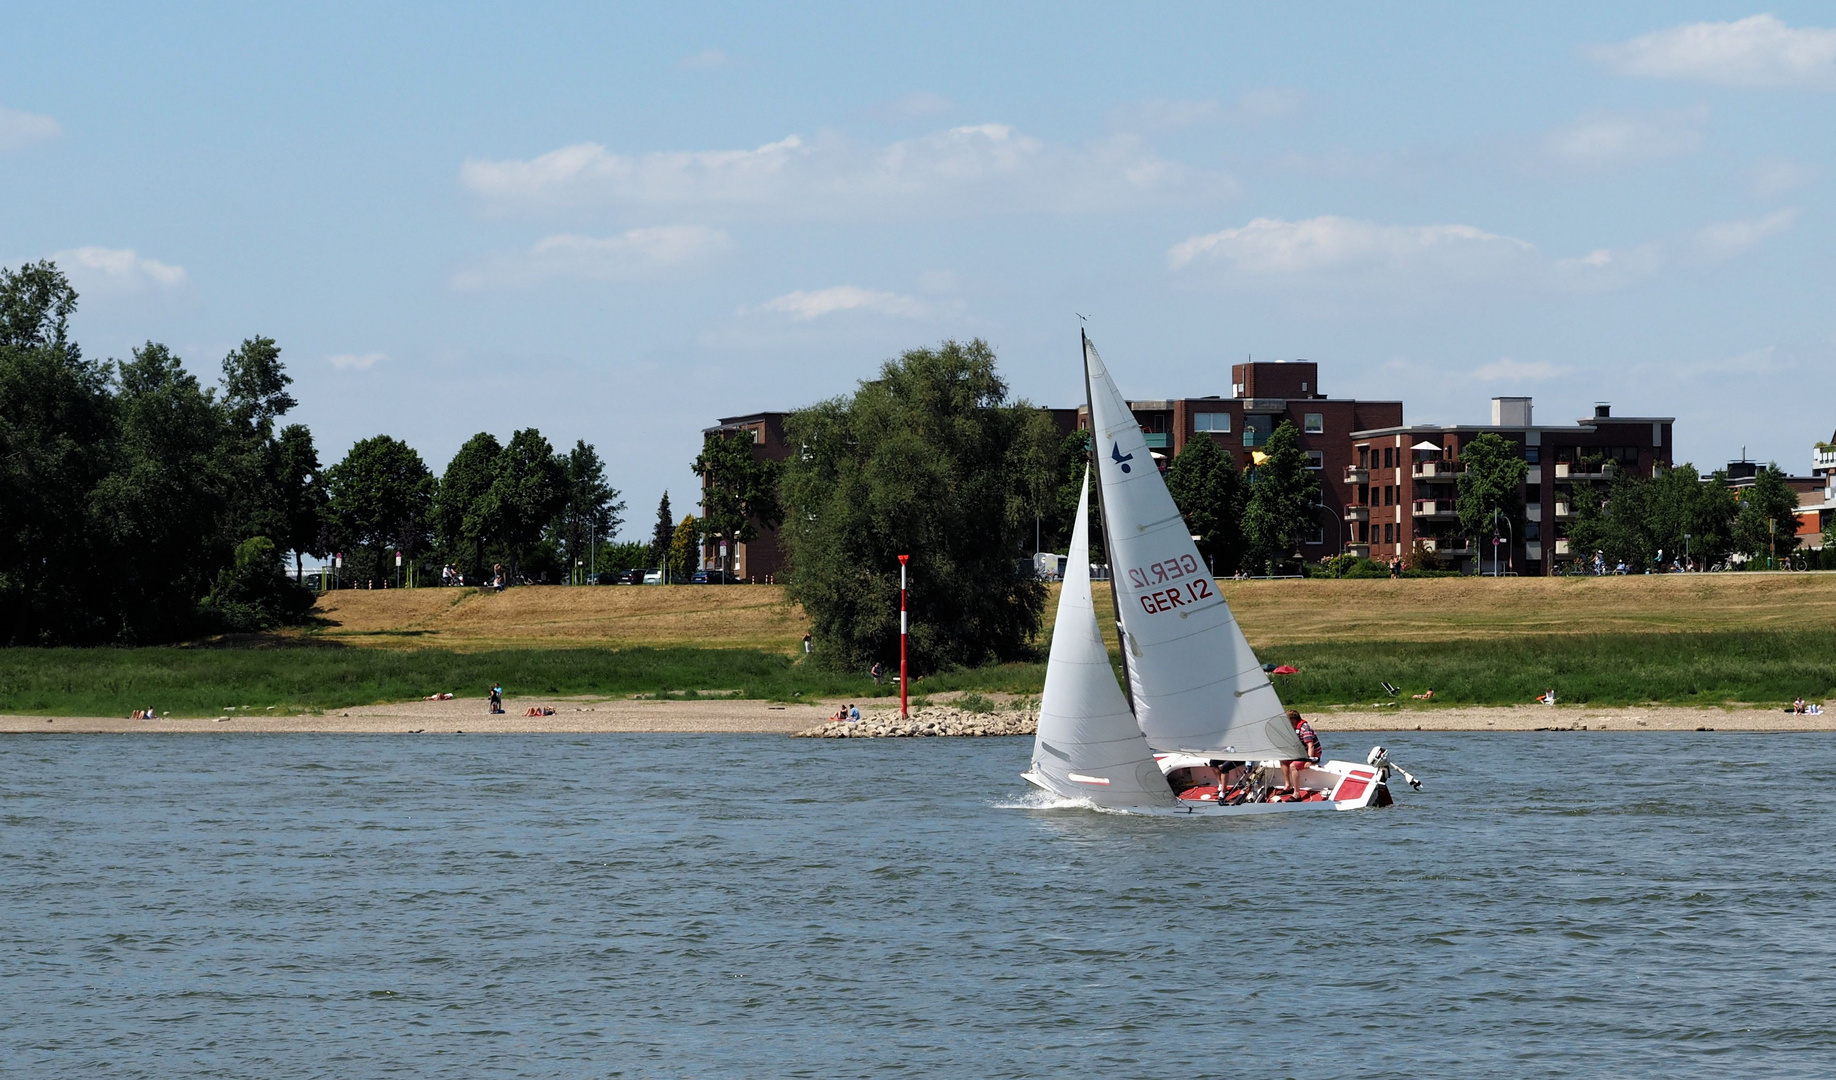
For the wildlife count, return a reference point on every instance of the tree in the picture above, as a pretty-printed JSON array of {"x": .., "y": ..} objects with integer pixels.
[
  {"x": 1767, "y": 524},
  {"x": 1490, "y": 488},
  {"x": 1208, "y": 490},
  {"x": 302, "y": 495},
  {"x": 739, "y": 492},
  {"x": 930, "y": 460},
  {"x": 457, "y": 514},
  {"x": 380, "y": 497},
  {"x": 527, "y": 490},
  {"x": 1283, "y": 507},
  {"x": 56, "y": 419},
  {"x": 254, "y": 592},
  {"x": 591, "y": 509},
  {"x": 161, "y": 511},
  {"x": 684, "y": 550},
  {"x": 661, "y": 532},
  {"x": 254, "y": 397}
]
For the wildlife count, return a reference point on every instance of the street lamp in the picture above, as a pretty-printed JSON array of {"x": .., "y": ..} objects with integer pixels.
[
  {"x": 1496, "y": 515},
  {"x": 1686, "y": 551}
]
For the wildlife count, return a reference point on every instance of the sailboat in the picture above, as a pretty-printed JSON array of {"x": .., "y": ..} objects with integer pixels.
[{"x": 1201, "y": 730}]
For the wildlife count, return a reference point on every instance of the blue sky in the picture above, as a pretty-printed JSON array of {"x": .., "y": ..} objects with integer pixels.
[{"x": 619, "y": 225}]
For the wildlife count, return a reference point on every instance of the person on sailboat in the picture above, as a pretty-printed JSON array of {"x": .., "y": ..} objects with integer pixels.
[{"x": 1291, "y": 770}]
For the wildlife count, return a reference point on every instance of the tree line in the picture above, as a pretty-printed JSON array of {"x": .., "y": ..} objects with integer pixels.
[{"x": 138, "y": 505}]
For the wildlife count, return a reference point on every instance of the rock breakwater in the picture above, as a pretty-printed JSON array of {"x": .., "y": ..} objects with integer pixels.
[{"x": 926, "y": 723}]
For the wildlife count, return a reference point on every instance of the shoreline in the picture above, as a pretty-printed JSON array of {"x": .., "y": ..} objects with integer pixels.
[{"x": 752, "y": 717}]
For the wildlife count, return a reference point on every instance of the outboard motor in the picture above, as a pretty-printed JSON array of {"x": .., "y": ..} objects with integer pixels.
[{"x": 1379, "y": 759}]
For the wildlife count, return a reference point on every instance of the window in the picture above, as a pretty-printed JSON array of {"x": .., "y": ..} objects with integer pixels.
[
  {"x": 1533, "y": 530},
  {"x": 1316, "y": 459},
  {"x": 1389, "y": 495},
  {"x": 1389, "y": 457},
  {"x": 1364, "y": 494},
  {"x": 1533, "y": 455},
  {"x": 1236, "y": 389},
  {"x": 1211, "y": 421},
  {"x": 1313, "y": 423},
  {"x": 1364, "y": 457},
  {"x": 1389, "y": 534},
  {"x": 1533, "y": 494},
  {"x": 1303, "y": 387},
  {"x": 1319, "y": 534}
]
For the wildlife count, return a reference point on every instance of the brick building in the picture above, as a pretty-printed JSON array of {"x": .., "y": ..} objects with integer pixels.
[
  {"x": 1406, "y": 476},
  {"x": 758, "y": 559},
  {"x": 1263, "y": 394}
]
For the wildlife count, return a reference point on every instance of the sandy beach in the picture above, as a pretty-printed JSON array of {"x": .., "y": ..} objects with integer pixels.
[{"x": 582, "y": 715}]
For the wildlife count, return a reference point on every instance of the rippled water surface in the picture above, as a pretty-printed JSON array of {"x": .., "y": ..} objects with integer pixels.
[{"x": 1560, "y": 904}]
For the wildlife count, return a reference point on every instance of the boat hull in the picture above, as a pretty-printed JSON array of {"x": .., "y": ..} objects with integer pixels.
[{"x": 1332, "y": 785}]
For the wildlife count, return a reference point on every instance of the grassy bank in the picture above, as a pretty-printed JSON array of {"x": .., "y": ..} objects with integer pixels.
[
  {"x": 1685, "y": 668},
  {"x": 207, "y": 682}
]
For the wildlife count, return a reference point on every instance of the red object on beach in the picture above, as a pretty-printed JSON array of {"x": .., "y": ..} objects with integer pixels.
[
  {"x": 902, "y": 712},
  {"x": 1286, "y": 669}
]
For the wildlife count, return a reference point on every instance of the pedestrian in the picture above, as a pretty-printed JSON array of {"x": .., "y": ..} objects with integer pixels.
[
  {"x": 806, "y": 644},
  {"x": 497, "y": 699},
  {"x": 876, "y": 671}
]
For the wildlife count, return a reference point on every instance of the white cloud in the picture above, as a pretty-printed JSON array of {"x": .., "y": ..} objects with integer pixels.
[
  {"x": 1768, "y": 178},
  {"x": 1626, "y": 138},
  {"x": 959, "y": 170},
  {"x": 1267, "y": 246},
  {"x": 1724, "y": 240},
  {"x": 103, "y": 269},
  {"x": 706, "y": 60},
  {"x": 1758, "y": 51},
  {"x": 1505, "y": 369},
  {"x": 356, "y": 361},
  {"x": 19, "y": 129},
  {"x": 1347, "y": 254},
  {"x": 804, "y": 306},
  {"x": 1268, "y": 103},
  {"x": 621, "y": 257}
]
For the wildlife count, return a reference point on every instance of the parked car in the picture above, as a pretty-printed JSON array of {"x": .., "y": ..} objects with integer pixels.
[
  {"x": 713, "y": 577},
  {"x": 635, "y": 576},
  {"x": 608, "y": 577},
  {"x": 651, "y": 577}
]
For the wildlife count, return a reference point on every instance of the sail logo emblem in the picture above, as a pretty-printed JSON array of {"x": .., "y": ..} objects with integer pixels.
[{"x": 1116, "y": 454}]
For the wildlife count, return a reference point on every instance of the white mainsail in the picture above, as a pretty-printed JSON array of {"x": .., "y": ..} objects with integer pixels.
[
  {"x": 1196, "y": 686},
  {"x": 1088, "y": 746}
]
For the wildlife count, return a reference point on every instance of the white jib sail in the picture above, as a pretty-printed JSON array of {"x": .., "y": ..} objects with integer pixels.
[
  {"x": 1088, "y": 746},
  {"x": 1196, "y": 685}
]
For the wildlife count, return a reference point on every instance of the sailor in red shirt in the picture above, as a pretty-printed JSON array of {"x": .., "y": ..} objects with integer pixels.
[{"x": 1291, "y": 770}]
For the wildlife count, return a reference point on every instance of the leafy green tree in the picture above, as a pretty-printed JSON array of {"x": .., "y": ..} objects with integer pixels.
[
  {"x": 380, "y": 498},
  {"x": 739, "y": 491},
  {"x": 527, "y": 490},
  {"x": 684, "y": 550},
  {"x": 1283, "y": 507},
  {"x": 457, "y": 514},
  {"x": 161, "y": 509},
  {"x": 932, "y": 460},
  {"x": 1488, "y": 493},
  {"x": 1767, "y": 524},
  {"x": 303, "y": 502},
  {"x": 661, "y": 533},
  {"x": 254, "y": 593},
  {"x": 591, "y": 510},
  {"x": 618, "y": 558},
  {"x": 1208, "y": 490},
  {"x": 56, "y": 419}
]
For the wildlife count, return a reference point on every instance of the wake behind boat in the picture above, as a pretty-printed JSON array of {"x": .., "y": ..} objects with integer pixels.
[{"x": 1201, "y": 730}]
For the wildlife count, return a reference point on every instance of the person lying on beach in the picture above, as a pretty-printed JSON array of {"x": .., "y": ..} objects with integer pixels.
[{"x": 1426, "y": 695}]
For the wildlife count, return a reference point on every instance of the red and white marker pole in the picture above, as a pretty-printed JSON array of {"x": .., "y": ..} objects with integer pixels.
[{"x": 902, "y": 710}]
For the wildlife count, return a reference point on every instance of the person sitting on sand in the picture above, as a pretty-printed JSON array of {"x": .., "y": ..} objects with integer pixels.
[
  {"x": 1548, "y": 697},
  {"x": 497, "y": 700},
  {"x": 1291, "y": 770},
  {"x": 854, "y": 714},
  {"x": 1798, "y": 706}
]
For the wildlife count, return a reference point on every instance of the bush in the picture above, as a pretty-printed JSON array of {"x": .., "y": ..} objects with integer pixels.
[{"x": 255, "y": 593}]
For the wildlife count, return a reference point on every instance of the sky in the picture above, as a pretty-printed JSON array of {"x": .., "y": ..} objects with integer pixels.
[{"x": 618, "y": 225}]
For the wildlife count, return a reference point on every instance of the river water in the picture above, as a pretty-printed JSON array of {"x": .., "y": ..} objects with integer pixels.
[{"x": 1556, "y": 904}]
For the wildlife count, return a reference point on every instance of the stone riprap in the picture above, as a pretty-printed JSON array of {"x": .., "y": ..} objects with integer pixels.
[{"x": 923, "y": 723}]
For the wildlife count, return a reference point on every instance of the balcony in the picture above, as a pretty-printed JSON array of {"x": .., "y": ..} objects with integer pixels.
[
  {"x": 1444, "y": 545},
  {"x": 1358, "y": 551},
  {"x": 1355, "y": 474},
  {"x": 1437, "y": 470},
  {"x": 1563, "y": 511},
  {"x": 1561, "y": 547},
  {"x": 1157, "y": 440},
  {"x": 1435, "y": 509},
  {"x": 1826, "y": 457},
  {"x": 1583, "y": 470},
  {"x": 1357, "y": 513}
]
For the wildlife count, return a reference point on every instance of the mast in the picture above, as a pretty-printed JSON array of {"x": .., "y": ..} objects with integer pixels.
[{"x": 1115, "y": 601}]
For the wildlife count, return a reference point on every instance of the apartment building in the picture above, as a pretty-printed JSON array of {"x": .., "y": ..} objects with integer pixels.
[
  {"x": 1405, "y": 480},
  {"x": 759, "y": 558},
  {"x": 1814, "y": 492},
  {"x": 1263, "y": 394}
]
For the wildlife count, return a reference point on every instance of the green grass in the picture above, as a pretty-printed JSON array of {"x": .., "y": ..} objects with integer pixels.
[
  {"x": 1687, "y": 668},
  {"x": 1767, "y": 667},
  {"x": 206, "y": 681}
]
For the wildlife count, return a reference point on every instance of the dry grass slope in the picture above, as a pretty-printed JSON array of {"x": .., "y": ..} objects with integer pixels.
[{"x": 1271, "y": 612}]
